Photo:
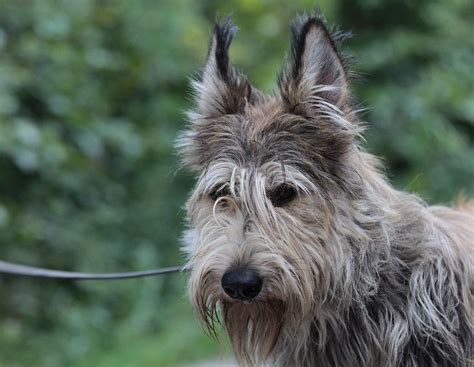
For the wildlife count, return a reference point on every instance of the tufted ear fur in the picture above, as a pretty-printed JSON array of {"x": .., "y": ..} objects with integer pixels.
[
  {"x": 221, "y": 89},
  {"x": 315, "y": 72}
]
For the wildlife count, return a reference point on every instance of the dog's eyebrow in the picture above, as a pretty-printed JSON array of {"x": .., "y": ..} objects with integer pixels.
[{"x": 279, "y": 157}]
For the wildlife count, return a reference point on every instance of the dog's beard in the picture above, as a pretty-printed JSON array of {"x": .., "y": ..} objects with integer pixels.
[
  {"x": 281, "y": 312},
  {"x": 253, "y": 328}
]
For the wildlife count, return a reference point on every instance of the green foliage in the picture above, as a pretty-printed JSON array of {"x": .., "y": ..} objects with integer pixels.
[
  {"x": 92, "y": 95},
  {"x": 420, "y": 90}
]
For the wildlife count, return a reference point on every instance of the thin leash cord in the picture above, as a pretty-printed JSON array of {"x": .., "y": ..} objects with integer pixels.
[{"x": 31, "y": 271}]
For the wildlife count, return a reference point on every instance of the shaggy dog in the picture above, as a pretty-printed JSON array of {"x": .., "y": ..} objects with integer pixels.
[{"x": 297, "y": 239}]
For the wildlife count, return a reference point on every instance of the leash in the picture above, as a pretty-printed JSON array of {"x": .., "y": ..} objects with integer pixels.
[{"x": 31, "y": 271}]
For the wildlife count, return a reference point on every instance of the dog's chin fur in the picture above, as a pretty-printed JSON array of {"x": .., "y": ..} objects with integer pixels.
[
  {"x": 355, "y": 273},
  {"x": 253, "y": 328}
]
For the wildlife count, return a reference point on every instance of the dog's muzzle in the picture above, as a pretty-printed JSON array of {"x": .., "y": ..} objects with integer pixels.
[{"x": 242, "y": 284}]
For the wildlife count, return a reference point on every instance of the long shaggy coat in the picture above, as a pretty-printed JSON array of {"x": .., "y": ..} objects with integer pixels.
[{"x": 355, "y": 273}]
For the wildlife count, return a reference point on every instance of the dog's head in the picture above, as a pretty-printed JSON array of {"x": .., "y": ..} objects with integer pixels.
[{"x": 264, "y": 217}]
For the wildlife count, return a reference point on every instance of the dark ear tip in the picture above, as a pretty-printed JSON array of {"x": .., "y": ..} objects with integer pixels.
[
  {"x": 303, "y": 23},
  {"x": 300, "y": 28},
  {"x": 224, "y": 30}
]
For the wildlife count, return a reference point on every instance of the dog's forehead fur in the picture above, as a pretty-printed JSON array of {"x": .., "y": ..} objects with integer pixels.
[
  {"x": 265, "y": 132},
  {"x": 243, "y": 138}
]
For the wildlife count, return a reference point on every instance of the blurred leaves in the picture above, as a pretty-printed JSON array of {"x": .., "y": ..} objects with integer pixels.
[
  {"x": 420, "y": 90},
  {"x": 92, "y": 95}
]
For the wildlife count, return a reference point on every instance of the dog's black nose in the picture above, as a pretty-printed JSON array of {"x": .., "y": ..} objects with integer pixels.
[{"x": 242, "y": 284}]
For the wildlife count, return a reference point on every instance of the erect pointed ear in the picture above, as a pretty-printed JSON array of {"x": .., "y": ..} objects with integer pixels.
[
  {"x": 221, "y": 89},
  {"x": 315, "y": 71}
]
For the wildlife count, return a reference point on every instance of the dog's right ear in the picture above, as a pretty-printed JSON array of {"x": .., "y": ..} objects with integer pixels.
[{"x": 221, "y": 89}]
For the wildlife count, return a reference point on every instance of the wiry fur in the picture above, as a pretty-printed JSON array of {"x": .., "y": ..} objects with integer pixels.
[{"x": 355, "y": 273}]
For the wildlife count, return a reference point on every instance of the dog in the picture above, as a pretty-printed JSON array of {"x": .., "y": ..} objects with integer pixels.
[{"x": 296, "y": 241}]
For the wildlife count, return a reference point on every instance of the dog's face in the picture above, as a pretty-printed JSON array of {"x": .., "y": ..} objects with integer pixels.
[{"x": 271, "y": 172}]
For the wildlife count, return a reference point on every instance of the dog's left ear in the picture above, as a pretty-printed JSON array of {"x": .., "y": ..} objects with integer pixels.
[
  {"x": 221, "y": 89},
  {"x": 315, "y": 72}
]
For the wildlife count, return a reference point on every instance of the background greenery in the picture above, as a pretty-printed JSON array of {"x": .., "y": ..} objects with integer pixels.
[{"x": 92, "y": 94}]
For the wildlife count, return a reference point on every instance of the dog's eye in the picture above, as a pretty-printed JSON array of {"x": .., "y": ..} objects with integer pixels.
[
  {"x": 219, "y": 191},
  {"x": 282, "y": 194}
]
